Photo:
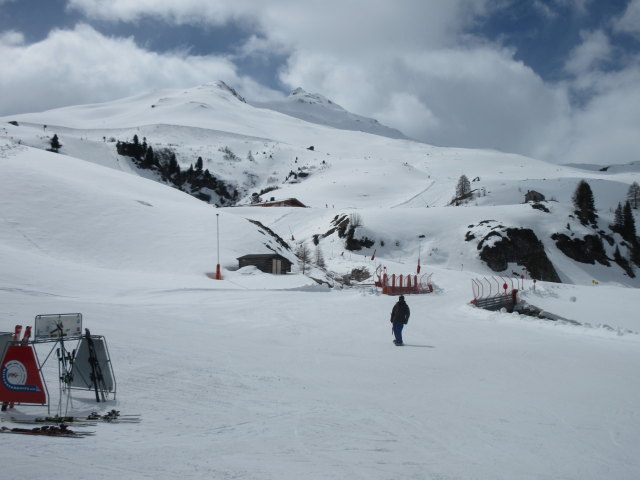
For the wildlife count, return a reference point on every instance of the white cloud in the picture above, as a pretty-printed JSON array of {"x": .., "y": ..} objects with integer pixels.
[
  {"x": 407, "y": 112},
  {"x": 629, "y": 22},
  {"x": 594, "y": 49},
  {"x": 83, "y": 66},
  {"x": 409, "y": 63},
  {"x": 604, "y": 130},
  {"x": 11, "y": 37}
]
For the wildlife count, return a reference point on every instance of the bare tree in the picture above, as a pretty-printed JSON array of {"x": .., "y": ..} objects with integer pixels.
[
  {"x": 319, "y": 257},
  {"x": 463, "y": 188},
  {"x": 355, "y": 220},
  {"x": 304, "y": 255}
]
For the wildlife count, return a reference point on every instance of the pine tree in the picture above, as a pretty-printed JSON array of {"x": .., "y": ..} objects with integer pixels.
[
  {"x": 633, "y": 195},
  {"x": 629, "y": 224},
  {"x": 584, "y": 203},
  {"x": 173, "y": 167},
  {"x": 55, "y": 143},
  {"x": 199, "y": 164},
  {"x": 618, "y": 219},
  {"x": 149, "y": 158}
]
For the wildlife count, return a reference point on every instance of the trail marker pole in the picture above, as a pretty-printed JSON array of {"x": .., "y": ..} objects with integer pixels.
[{"x": 218, "y": 274}]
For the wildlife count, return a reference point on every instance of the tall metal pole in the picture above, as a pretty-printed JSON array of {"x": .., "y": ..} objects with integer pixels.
[{"x": 218, "y": 274}]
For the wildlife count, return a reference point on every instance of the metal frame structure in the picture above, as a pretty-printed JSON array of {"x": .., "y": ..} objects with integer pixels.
[
  {"x": 403, "y": 284},
  {"x": 495, "y": 293},
  {"x": 96, "y": 371}
]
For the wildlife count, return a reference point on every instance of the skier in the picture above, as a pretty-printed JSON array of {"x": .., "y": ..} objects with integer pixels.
[{"x": 399, "y": 318}]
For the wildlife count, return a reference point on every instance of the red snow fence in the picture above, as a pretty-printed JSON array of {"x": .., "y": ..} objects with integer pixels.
[
  {"x": 494, "y": 293},
  {"x": 404, "y": 284}
]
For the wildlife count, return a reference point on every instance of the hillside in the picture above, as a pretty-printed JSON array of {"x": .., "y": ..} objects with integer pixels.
[{"x": 401, "y": 189}]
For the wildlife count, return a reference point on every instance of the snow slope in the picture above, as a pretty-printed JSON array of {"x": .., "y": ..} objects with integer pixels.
[
  {"x": 315, "y": 108},
  {"x": 275, "y": 377}
]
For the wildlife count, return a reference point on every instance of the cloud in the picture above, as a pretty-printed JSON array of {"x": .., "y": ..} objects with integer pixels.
[
  {"x": 551, "y": 8},
  {"x": 11, "y": 37},
  {"x": 629, "y": 22},
  {"x": 474, "y": 97},
  {"x": 604, "y": 131},
  {"x": 594, "y": 49},
  {"x": 83, "y": 66}
]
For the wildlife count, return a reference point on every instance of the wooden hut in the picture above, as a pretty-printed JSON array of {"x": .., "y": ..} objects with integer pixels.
[
  {"x": 266, "y": 262},
  {"x": 287, "y": 202},
  {"x": 533, "y": 196}
]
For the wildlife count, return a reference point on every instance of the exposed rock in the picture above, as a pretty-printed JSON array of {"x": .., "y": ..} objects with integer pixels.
[
  {"x": 585, "y": 250},
  {"x": 520, "y": 246},
  {"x": 540, "y": 206}
]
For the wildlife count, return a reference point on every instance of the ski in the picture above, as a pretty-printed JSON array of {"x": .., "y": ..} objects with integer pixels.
[
  {"x": 96, "y": 371},
  {"x": 50, "y": 421},
  {"x": 26, "y": 336},
  {"x": 114, "y": 416},
  {"x": 48, "y": 431},
  {"x": 81, "y": 421}
]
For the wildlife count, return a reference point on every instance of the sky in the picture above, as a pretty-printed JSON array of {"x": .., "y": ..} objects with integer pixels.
[{"x": 557, "y": 80}]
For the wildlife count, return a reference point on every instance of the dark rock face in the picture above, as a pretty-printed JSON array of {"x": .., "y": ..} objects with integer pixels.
[
  {"x": 521, "y": 246},
  {"x": 585, "y": 250}
]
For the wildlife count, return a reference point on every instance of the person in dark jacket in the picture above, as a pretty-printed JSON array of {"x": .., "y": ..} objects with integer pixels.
[{"x": 399, "y": 318}]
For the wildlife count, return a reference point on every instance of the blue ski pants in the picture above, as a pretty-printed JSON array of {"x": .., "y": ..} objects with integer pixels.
[{"x": 397, "y": 331}]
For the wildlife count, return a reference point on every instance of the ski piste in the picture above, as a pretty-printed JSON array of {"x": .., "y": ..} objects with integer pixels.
[{"x": 47, "y": 431}]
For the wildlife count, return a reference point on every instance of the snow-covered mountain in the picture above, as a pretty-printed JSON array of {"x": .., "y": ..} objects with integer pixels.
[
  {"x": 315, "y": 108},
  {"x": 293, "y": 376},
  {"x": 256, "y": 154}
]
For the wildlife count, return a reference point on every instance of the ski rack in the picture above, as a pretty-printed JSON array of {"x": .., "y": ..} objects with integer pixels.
[
  {"x": 71, "y": 374},
  {"x": 494, "y": 293},
  {"x": 71, "y": 377}
]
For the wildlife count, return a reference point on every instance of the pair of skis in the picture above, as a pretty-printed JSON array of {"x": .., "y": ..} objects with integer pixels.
[
  {"x": 58, "y": 426},
  {"x": 96, "y": 370},
  {"x": 16, "y": 338},
  {"x": 92, "y": 419},
  {"x": 47, "y": 431}
]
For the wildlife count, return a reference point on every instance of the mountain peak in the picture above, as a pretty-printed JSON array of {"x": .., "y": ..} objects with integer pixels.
[
  {"x": 226, "y": 88},
  {"x": 316, "y": 108}
]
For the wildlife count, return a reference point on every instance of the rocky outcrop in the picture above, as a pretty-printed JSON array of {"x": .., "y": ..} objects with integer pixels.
[
  {"x": 502, "y": 246},
  {"x": 588, "y": 249}
]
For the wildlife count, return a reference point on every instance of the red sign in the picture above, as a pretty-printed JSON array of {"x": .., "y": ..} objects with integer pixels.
[{"x": 20, "y": 379}]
